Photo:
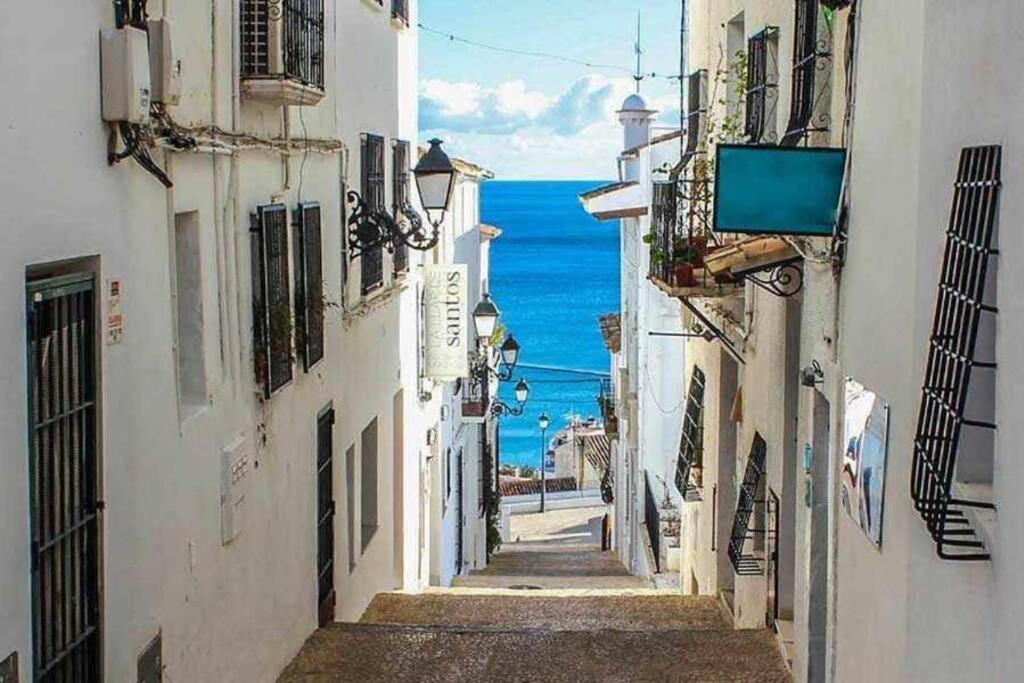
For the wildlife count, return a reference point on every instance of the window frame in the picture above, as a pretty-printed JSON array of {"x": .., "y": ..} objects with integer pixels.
[
  {"x": 401, "y": 195},
  {"x": 272, "y": 343},
  {"x": 309, "y": 304},
  {"x": 762, "y": 86},
  {"x": 811, "y": 46},
  {"x": 373, "y": 181}
]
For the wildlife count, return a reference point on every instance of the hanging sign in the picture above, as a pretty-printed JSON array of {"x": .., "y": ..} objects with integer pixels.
[{"x": 446, "y": 317}]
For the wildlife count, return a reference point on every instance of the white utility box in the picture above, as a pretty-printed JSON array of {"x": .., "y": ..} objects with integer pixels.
[
  {"x": 164, "y": 63},
  {"x": 234, "y": 486},
  {"x": 124, "y": 72}
]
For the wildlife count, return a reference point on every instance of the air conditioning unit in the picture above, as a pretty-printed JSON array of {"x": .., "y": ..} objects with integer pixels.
[{"x": 282, "y": 51}]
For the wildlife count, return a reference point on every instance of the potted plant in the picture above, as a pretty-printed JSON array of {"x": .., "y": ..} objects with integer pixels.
[{"x": 684, "y": 257}]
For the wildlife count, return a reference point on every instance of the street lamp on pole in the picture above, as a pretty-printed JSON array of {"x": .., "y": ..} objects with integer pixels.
[{"x": 543, "y": 422}]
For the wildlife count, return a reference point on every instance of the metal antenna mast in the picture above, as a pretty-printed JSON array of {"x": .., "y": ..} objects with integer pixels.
[{"x": 639, "y": 55}]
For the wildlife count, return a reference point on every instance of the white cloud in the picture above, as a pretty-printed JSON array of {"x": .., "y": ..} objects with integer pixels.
[{"x": 522, "y": 133}]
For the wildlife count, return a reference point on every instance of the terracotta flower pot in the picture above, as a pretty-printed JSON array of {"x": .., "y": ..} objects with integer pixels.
[{"x": 684, "y": 275}]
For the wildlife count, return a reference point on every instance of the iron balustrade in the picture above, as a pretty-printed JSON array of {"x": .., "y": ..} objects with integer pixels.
[
  {"x": 812, "y": 55},
  {"x": 751, "y": 494},
  {"x": 663, "y": 232},
  {"x": 298, "y": 31},
  {"x": 691, "y": 443},
  {"x": 762, "y": 88},
  {"x": 652, "y": 519},
  {"x": 959, "y": 309},
  {"x": 271, "y": 308}
]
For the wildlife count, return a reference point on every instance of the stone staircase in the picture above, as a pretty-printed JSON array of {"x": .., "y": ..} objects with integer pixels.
[{"x": 508, "y": 635}]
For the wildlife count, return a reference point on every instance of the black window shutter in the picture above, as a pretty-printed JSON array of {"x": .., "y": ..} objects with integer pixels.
[
  {"x": 309, "y": 298},
  {"x": 272, "y": 322},
  {"x": 372, "y": 179}
]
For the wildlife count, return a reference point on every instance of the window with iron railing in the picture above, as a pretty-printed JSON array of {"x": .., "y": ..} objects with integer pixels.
[
  {"x": 372, "y": 190},
  {"x": 401, "y": 199},
  {"x": 812, "y": 53},
  {"x": 955, "y": 440},
  {"x": 762, "y": 86},
  {"x": 283, "y": 39},
  {"x": 309, "y": 285},
  {"x": 690, "y": 462},
  {"x": 400, "y": 11},
  {"x": 663, "y": 238},
  {"x": 271, "y": 309},
  {"x": 749, "y": 504}
]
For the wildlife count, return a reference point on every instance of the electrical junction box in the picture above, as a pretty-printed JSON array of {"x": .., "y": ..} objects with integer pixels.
[
  {"x": 124, "y": 73},
  {"x": 234, "y": 486},
  {"x": 164, "y": 63}
]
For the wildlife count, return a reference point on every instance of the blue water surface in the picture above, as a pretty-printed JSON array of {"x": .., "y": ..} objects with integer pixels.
[{"x": 554, "y": 270}]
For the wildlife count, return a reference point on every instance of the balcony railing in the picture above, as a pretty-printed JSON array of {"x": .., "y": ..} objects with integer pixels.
[
  {"x": 606, "y": 402},
  {"x": 812, "y": 55},
  {"x": 282, "y": 50}
]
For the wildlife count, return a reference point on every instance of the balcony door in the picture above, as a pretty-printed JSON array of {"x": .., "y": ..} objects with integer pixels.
[{"x": 325, "y": 517}]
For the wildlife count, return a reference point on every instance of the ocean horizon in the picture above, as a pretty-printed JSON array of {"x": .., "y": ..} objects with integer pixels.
[{"x": 553, "y": 271}]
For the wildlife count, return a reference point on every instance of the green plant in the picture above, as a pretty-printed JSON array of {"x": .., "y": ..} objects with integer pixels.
[{"x": 685, "y": 252}]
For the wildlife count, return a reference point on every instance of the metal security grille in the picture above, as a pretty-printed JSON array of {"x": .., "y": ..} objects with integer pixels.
[
  {"x": 811, "y": 54},
  {"x": 762, "y": 91},
  {"x": 652, "y": 519},
  {"x": 696, "y": 112},
  {"x": 295, "y": 28},
  {"x": 372, "y": 190},
  {"x": 64, "y": 480},
  {"x": 271, "y": 310},
  {"x": 309, "y": 285},
  {"x": 691, "y": 443},
  {"x": 748, "y": 564},
  {"x": 325, "y": 516},
  {"x": 663, "y": 229},
  {"x": 951, "y": 356},
  {"x": 400, "y": 194}
]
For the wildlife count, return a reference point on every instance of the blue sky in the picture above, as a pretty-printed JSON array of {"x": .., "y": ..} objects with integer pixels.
[{"x": 528, "y": 117}]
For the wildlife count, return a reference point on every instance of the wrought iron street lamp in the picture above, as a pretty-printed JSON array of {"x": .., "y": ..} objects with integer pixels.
[
  {"x": 370, "y": 227},
  {"x": 522, "y": 393},
  {"x": 485, "y": 318}
]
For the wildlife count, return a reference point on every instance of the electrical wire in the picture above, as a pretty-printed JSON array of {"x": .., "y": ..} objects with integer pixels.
[{"x": 453, "y": 38}]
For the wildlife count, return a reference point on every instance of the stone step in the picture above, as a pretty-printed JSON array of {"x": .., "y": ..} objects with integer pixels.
[
  {"x": 371, "y": 653},
  {"x": 561, "y": 613}
]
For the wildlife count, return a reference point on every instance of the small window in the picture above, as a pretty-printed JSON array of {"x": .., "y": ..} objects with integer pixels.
[
  {"x": 762, "y": 86},
  {"x": 372, "y": 189},
  {"x": 309, "y": 285},
  {"x": 368, "y": 484},
  {"x": 188, "y": 290},
  {"x": 401, "y": 199},
  {"x": 272, "y": 315}
]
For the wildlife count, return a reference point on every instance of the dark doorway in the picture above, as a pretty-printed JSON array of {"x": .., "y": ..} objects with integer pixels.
[
  {"x": 325, "y": 516},
  {"x": 459, "y": 513},
  {"x": 64, "y": 471},
  {"x": 772, "y": 553}
]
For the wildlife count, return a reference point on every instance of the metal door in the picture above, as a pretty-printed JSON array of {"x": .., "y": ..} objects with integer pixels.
[
  {"x": 772, "y": 553},
  {"x": 64, "y": 476},
  {"x": 325, "y": 516}
]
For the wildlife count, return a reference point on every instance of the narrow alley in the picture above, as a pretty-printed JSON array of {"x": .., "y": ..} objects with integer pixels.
[{"x": 550, "y": 606}]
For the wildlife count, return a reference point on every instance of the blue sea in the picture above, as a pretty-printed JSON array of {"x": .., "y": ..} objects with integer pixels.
[{"x": 554, "y": 270}]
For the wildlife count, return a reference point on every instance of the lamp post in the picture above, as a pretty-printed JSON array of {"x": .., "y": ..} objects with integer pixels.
[{"x": 543, "y": 422}]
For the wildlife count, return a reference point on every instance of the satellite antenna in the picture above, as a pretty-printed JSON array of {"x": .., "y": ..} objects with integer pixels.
[{"x": 638, "y": 48}]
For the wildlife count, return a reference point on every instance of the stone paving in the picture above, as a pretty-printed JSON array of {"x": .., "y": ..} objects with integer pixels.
[{"x": 590, "y": 621}]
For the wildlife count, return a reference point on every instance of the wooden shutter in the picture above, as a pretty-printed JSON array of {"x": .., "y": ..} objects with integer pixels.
[
  {"x": 272, "y": 323},
  {"x": 309, "y": 285}
]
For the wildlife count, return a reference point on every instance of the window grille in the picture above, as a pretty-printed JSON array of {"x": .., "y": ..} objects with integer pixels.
[
  {"x": 401, "y": 199},
  {"x": 691, "y": 443},
  {"x": 752, "y": 487},
  {"x": 958, "y": 310},
  {"x": 63, "y": 473},
  {"x": 663, "y": 231},
  {"x": 283, "y": 39},
  {"x": 373, "y": 175},
  {"x": 309, "y": 285},
  {"x": 811, "y": 63},
  {"x": 400, "y": 10},
  {"x": 762, "y": 87},
  {"x": 652, "y": 518},
  {"x": 696, "y": 112},
  {"x": 271, "y": 311}
]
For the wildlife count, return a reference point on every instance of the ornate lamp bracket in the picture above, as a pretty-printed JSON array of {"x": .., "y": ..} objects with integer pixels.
[
  {"x": 782, "y": 280},
  {"x": 370, "y": 229}
]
